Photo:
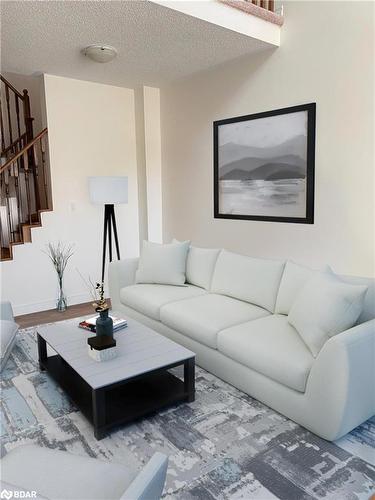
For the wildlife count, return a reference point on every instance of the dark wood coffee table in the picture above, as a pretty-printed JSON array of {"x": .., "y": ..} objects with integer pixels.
[{"x": 136, "y": 383}]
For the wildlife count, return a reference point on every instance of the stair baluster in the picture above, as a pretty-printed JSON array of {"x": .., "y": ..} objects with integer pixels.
[
  {"x": 7, "y": 97},
  {"x": 44, "y": 173},
  {"x": 18, "y": 115},
  {"x": 36, "y": 175},
  {"x": 27, "y": 183},
  {"x": 2, "y": 126},
  {"x": 2, "y": 230},
  {"x": 7, "y": 204},
  {"x": 27, "y": 116},
  {"x": 18, "y": 198}
]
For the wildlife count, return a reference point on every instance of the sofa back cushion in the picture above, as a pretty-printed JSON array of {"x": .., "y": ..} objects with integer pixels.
[
  {"x": 293, "y": 280},
  {"x": 368, "y": 310},
  {"x": 325, "y": 307},
  {"x": 246, "y": 278},
  {"x": 200, "y": 266}
]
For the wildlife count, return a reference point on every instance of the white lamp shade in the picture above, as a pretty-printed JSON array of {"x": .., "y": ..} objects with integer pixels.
[{"x": 108, "y": 190}]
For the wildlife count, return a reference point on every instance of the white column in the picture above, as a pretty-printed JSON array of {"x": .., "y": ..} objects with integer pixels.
[{"x": 153, "y": 163}]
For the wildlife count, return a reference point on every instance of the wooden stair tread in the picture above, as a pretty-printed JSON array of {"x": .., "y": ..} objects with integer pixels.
[{"x": 27, "y": 225}]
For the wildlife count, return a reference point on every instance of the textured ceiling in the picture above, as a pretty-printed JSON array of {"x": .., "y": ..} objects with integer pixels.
[{"x": 156, "y": 44}]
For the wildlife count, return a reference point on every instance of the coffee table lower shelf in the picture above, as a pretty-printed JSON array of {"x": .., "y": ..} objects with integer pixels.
[{"x": 123, "y": 401}]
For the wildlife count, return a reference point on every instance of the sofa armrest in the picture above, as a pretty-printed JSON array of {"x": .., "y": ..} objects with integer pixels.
[
  {"x": 6, "y": 311},
  {"x": 149, "y": 483},
  {"x": 121, "y": 273},
  {"x": 342, "y": 379}
]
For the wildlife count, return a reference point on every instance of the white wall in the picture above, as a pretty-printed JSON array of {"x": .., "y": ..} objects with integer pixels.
[
  {"x": 91, "y": 131},
  {"x": 326, "y": 56}
]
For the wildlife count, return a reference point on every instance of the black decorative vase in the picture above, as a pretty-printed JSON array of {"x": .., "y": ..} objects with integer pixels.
[{"x": 104, "y": 324}]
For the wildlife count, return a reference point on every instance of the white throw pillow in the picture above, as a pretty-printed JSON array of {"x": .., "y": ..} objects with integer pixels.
[
  {"x": 162, "y": 264},
  {"x": 252, "y": 280},
  {"x": 200, "y": 265},
  {"x": 293, "y": 280},
  {"x": 325, "y": 307}
]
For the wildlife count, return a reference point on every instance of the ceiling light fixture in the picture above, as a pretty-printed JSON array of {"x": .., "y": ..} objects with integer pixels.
[{"x": 100, "y": 53}]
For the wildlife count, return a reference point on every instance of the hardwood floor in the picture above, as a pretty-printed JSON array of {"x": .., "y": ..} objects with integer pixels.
[{"x": 38, "y": 318}]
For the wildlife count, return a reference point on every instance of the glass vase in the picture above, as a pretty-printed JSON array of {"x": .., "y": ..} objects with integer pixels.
[{"x": 61, "y": 304}]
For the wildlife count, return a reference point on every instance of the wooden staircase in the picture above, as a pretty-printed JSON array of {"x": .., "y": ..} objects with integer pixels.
[{"x": 24, "y": 170}]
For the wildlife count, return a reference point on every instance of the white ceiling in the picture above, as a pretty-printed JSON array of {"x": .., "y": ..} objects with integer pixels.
[{"x": 156, "y": 44}]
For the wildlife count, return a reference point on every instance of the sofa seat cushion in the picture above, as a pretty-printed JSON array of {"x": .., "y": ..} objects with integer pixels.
[
  {"x": 147, "y": 299},
  {"x": 201, "y": 318},
  {"x": 270, "y": 346},
  {"x": 34, "y": 468}
]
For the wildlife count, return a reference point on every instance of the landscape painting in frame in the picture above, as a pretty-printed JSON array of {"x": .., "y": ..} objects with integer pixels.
[{"x": 264, "y": 166}]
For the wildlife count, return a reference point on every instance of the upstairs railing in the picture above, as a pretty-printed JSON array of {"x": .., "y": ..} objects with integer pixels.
[
  {"x": 265, "y": 9},
  {"x": 265, "y": 4},
  {"x": 16, "y": 122}
]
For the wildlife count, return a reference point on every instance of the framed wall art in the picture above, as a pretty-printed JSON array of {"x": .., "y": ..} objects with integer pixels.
[{"x": 264, "y": 166}]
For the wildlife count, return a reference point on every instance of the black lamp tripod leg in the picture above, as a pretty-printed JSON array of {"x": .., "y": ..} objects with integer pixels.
[
  {"x": 109, "y": 226},
  {"x": 115, "y": 231},
  {"x": 104, "y": 240},
  {"x": 110, "y": 233}
]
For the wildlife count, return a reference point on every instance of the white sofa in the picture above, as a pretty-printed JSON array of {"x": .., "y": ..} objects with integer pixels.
[
  {"x": 59, "y": 475},
  {"x": 233, "y": 315}
]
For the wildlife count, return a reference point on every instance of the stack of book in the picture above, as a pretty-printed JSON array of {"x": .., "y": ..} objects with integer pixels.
[{"x": 90, "y": 323}]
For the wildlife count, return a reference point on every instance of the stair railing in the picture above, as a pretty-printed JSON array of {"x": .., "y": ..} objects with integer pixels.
[{"x": 24, "y": 192}]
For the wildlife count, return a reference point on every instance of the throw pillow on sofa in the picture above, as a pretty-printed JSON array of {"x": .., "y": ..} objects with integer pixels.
[
  {"x": 293, "y": 280},
  {"x": 162, "y": 264},
  {"x": 325, "y": 307},
  {"x": 200, "y": 265}
]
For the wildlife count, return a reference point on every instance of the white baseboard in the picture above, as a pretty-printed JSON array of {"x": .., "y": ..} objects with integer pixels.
[{"x": 32, "y": 307}]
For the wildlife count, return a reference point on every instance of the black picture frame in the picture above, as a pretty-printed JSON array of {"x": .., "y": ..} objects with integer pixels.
[{"x": 310, "y": 108}]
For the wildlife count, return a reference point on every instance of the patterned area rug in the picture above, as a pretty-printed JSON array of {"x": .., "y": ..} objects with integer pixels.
[{"x": 224, "y": 445}]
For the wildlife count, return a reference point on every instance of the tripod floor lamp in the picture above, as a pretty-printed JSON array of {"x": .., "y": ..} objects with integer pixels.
[{"x": 109, "y": 191}]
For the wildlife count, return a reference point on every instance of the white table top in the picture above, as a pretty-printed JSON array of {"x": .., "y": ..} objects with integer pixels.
[{"x": 140, "y": 350}]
